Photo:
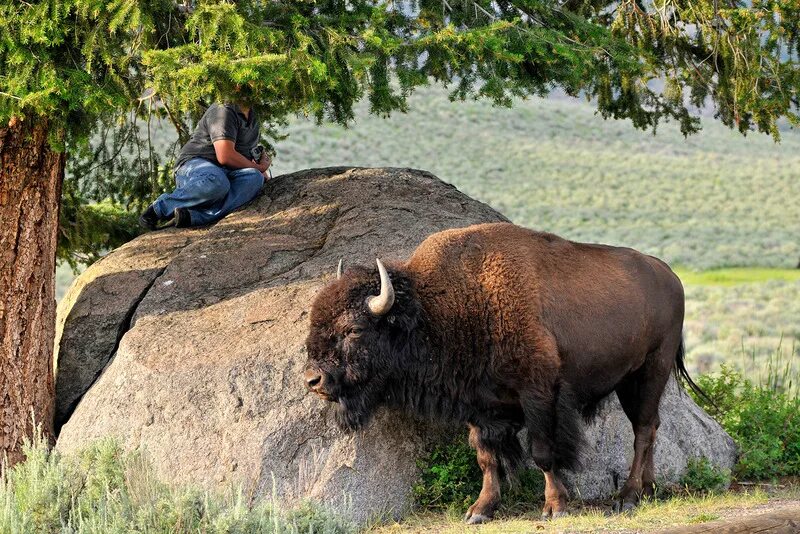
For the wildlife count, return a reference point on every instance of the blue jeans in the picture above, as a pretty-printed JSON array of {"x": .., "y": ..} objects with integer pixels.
[{"x": 209, "y": 191}]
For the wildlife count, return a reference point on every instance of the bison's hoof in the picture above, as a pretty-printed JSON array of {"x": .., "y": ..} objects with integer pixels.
[
  {"x": 549, "y": 513},
  {"x": 628, "y": 507},
  {"x": 625, "y": 507},
  {"x": 477, "y": 519}
]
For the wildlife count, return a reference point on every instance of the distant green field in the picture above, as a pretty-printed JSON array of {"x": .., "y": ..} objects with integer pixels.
[
  {"x": 735, "y": 276},
  {"x": 714, "y": 200}
]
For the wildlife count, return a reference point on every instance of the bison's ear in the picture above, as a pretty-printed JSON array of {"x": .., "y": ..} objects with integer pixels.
[
  {"x": 406, "y": 313},
  {"x": 403, "y": 318}
]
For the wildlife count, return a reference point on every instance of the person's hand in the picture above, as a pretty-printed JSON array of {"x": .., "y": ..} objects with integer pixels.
[
  {"x": 263, "y": 164},
  {"x": 265, "y": 158}
]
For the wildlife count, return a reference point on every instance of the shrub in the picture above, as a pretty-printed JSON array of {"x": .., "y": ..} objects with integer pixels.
[
  {"x": 450, "y": 480},
  {"x": 763, "y": 419},
  {"x": 105, "y": 490},
  {"x": 704, "y": 477},
  {"x": 449, "y": 477}
]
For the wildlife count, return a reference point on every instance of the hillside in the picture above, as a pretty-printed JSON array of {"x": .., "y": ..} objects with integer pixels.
[{"x": 715, "y": 199}]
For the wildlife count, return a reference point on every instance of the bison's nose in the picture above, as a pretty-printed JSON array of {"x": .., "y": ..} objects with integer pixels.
[{"x": 313, "y": 379}]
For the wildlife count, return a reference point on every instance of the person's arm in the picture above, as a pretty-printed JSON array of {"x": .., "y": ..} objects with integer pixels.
[{"x": 228, "y": 156}]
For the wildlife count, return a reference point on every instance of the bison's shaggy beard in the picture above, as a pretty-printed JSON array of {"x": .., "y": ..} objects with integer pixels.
[{"x": 356, "y": 406}]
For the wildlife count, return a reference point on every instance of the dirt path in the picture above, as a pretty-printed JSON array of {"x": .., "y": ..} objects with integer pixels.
[{"x": 781, "y": 517}]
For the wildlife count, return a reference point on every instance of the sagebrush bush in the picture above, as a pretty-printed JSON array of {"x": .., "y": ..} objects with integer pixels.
[
  {"x": 763, "y": 419},
  {"x": 451, "y": 480},
  {"x": 704, "y": 477},
  {"x": 105, "y": 490}
]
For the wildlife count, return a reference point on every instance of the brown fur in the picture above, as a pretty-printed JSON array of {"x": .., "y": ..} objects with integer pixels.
[{"x": 502, "y": 327}]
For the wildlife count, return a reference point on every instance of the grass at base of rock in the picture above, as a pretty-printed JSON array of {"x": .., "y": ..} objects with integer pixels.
[{"x": 649, "y": 516}]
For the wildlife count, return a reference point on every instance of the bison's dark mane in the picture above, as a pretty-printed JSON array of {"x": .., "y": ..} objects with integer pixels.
[{"x": 421, "y": 380}]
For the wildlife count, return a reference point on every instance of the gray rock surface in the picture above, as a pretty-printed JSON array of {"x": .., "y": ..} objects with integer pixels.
[
  {"x": 190, "y": 344},
  {"x": 96, "y": 312}
]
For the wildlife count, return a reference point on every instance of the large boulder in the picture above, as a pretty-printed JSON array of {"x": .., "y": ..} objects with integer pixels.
[{"x": 189, "y": 344}]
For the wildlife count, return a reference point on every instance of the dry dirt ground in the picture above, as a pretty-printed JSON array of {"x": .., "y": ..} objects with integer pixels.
[{"x": 774, "y": 517}]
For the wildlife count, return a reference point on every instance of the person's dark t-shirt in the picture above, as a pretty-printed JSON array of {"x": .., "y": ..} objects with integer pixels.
[{"x": 221, "y": 121}]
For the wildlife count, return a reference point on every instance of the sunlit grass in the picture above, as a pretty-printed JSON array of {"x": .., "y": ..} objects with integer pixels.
[
  {"x": 737, "y": 275},
  {"x": 652, "y": 515}
]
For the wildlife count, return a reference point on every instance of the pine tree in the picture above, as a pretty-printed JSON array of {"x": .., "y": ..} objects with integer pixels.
[{"x": 73, "y": 69}]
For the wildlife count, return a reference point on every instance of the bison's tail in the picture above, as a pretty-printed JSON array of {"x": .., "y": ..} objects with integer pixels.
[{"x": 683, "y": 375}]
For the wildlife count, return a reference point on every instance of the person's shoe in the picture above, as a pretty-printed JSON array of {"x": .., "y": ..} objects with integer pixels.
[
  {"x": 149, "y": 219},
  {"x": 182, "y": 218}
]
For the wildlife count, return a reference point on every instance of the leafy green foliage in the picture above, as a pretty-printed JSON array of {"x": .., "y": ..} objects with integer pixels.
[
  {"x": 73, "y": 61},
  {"x": 321, "y": 58},
  {"x": 87, "y": 231},
  {"x": 704, "y": 477},
  {"x": 763, "y": 419},
  {"x": 449, "y": 477},
  {"x": 91, "y": 66},
  {"x": 450, "y": 480},
  {"x": 104, "y": 490}
]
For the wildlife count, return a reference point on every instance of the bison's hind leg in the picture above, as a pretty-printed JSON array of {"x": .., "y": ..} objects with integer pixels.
[{"x": 640, "y": 395}]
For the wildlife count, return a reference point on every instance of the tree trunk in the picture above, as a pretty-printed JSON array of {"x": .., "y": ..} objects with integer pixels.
[{"x": 30, "y": 193}]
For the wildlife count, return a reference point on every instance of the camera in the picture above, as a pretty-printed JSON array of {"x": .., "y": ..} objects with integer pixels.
[{"x": 257, "y": 152}]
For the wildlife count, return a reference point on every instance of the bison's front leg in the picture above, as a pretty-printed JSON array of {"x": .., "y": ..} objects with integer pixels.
[
  {"x": 489, "y": 499},
  {"x": 555, "y": 497}
]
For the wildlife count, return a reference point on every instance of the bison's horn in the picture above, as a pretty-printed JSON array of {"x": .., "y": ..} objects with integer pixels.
[
  {"x": 339, "y": 270},
  {"x": 381, "y": 304}
]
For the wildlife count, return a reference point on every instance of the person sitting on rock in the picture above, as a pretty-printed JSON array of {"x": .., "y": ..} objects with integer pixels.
[{"x": 218, "y": 170}]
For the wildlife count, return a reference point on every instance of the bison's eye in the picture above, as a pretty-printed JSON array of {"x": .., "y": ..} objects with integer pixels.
[{"x": 355, "y": 332}]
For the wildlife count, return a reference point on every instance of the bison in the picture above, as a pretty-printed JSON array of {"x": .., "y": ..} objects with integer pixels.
[{"x": 503, "y": 328}]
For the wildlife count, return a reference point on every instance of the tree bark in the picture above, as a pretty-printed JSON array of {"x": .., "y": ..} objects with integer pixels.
[{"x": 30, "y": 193}]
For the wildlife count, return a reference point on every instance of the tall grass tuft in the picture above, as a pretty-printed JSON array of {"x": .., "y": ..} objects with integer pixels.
[
  {"x": 778, "y": 372},
  {"x": 106, "y": 490}
]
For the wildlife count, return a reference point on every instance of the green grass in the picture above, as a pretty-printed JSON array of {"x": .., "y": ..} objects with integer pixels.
[
  {"x": 735, "y": 276},
  {"x": 105, "y": 490},
  {"x": 745, "y": 325}
]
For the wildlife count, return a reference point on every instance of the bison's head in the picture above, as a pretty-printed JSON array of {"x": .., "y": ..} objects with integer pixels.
[{"x": 361, "y": 326}]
